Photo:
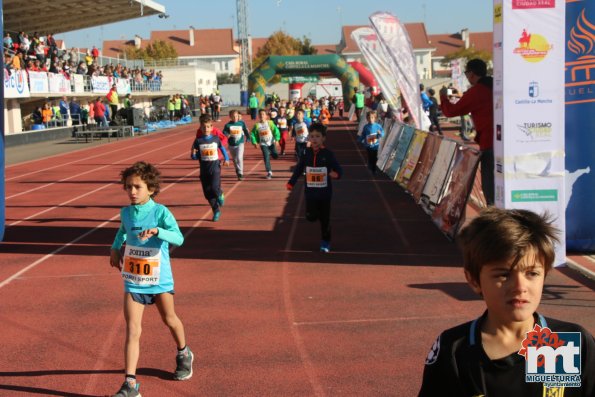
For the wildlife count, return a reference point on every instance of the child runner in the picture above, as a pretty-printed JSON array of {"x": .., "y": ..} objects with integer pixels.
[
  {"x": 281, "y": 121},
  {"x": 506, "y": 257},
  {"x": 266, "y": 133},
  {"x": 370, "y": 138},
  {"x": 205, "y": 149},
  {"x": 148, "y": 229},
  {"x": 236, "y": 132},
  {"x": 319, "y": 163},
  {"x": 299, "y": 131}
]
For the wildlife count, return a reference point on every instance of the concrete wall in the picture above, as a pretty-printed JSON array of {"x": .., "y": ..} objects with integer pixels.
[{"x": 189, "y": 80}]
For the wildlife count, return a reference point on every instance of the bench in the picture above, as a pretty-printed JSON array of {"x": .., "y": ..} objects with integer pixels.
[{"x": 99, "y": 133}]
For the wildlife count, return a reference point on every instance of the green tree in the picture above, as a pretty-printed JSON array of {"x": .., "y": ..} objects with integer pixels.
[
  {"x": 467, "y": 53},
  {"x": 228, "y": 78},
  {"x": 156, "y": 50},
  {"x": 306, "y": 47}
]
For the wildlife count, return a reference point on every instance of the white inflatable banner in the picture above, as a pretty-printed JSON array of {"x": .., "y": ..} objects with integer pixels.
[
  {"x": 529, "y": 43},
  {"x": 100, "y": 84},
  {"x": 15, "y": 84},
  {"x": 395, "y": 41},
  {"x": 38, "y": 82}
]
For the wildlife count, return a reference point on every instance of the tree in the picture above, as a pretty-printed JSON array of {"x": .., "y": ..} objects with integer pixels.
[
  {"x": 306, "y": 47},
  {"x": 158, "y": 49},
  {"x": 228, "y": 78},
  {"x": 467, "y": 53},
  {"x": 280, "y": 43}
]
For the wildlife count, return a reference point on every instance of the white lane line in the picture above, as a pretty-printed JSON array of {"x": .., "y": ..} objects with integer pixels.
[
  {"x": 84, "y": 173},
  {"x": 76, "y": 161},
  {"x": 72, "y": 242},
  {"x": 387, "y": 207},
  {"x": 374, "y": 320},
  {"x": 290, "y": 312}
]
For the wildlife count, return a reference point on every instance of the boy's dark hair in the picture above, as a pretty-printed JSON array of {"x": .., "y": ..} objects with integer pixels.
[
  {"x": 147, "y": 172},
  {"x": 477, "y": 66},
  {"x": 319, "y": 127},
  {"x": 205, "y": 118},
  {"x": 371, "y": 113},
  {"x": 500, "y": 235},
  {"x": 431, "y": 91},
  {"x": 300, "y": 110},
  {"x": 232, "y": 112},
  {"x": 262, "y": 110}
]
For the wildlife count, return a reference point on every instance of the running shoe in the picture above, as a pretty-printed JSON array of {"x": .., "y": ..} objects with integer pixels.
[
  {"x": 216, "y": 215},
  {"x": 128, "y": 391},
  {"x": 240, "y": 177},
  {"x": 325, "y": 246},
  {"x": 184, "y": 362},
  {"x": 221, "y": 199},
  {"x": 270, "y": 175}
]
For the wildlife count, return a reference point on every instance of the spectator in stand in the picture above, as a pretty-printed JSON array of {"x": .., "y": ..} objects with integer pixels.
[
  {"x": 75, "y": 115},
  {"x": 74, "y": 55},
  {"x": 51, "y": 42},
  {"x": 25, "y": 43},
  {"x": 128, "y": 103},
  {"x": 37, "y": 116},
  {"x": 99, "y": 113},
  {"x": 63, "y": 105},
  {"x": 40, "y": 51},
  {"x": 17, "y": 61},
  {"x": 95, "y": 53},
  {"x": 88, "y": 58},
  {"x": 8, "y": 42},
  {"x": 47, "y": 114},
  {"x": 82, "y": 68},
  {"x": 113, "y": 100}
]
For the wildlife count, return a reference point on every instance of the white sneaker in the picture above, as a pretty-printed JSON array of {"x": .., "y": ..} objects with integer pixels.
[{"x": 270, "y": 175}]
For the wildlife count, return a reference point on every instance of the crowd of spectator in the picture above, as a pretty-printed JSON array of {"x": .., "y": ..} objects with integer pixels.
[{"x": 41, "y": 54}]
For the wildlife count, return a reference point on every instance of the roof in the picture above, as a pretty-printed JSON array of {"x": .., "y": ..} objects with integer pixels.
[
  {"x": 257, "y": 44},
  {"x": 324, "y": 49},
  {"x": 68, "y": 15},
  {"x": 417, "y": 34},
  {"x": 207, "y": 42},
  {"x": 448, "y": 43}
]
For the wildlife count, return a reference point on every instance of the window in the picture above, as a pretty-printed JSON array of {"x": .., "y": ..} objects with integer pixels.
[{"x": 226, "y": 66}]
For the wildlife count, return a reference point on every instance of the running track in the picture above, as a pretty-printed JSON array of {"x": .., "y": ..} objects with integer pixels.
[{"x": 265, "y": 313}]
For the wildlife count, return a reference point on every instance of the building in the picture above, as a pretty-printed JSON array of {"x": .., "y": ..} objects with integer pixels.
[
  {"x": 449, "y": 43},
  {"x": 194, "y": 46}
]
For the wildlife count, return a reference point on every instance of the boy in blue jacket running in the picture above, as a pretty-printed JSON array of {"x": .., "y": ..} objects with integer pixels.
[{"x": 371, "y": 138}]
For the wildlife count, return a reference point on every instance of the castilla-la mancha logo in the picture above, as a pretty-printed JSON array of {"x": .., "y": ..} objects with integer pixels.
[{"x": 532, "y": 47}]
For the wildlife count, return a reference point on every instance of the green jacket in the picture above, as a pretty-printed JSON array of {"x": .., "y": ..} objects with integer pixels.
[
  {"x": 256, "y": 137},
  {"x": 253, "y": 102}
]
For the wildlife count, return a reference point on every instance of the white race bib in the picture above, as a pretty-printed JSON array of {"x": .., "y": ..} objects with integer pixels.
[
  {"x": 141, "y": 265},
  {"x": 372, "y": 139},
  {"x": 282, "y": 123},
  {"x": 265, "y": 134},
  {"x": 316, "y": 176},
  {"x": 236, "y": 132},
  {"x": 301, "y": 132},
  {"x": 208, "y": 152}
]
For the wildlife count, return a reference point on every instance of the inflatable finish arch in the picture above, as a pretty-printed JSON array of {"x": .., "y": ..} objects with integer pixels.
[{"x": 303, "y": 65}]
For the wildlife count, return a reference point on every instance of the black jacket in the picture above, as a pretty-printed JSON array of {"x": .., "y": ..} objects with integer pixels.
[{"x": 321, "y": 158}]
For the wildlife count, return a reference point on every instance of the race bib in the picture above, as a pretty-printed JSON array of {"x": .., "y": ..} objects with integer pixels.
[
  {"x": 236, "y": 132},
  {"x": 208, "y": 152},
  {"x": 264, "y": 132},
  {"x": 372, "y": 139},
  {"x": 141, "y": 265},
  {"x": 282, "y": 123},
  {"x": 301, "y": 130},
  {"x": 316, "y": 176}
]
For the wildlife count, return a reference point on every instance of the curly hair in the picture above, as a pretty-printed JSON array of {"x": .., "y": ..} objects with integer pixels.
[{"x": 147, "y": 172}]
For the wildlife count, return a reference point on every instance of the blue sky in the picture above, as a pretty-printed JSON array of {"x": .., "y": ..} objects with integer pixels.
[{"x": 320, "y": 20}]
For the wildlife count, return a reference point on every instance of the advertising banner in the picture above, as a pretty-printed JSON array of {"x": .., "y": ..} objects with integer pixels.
[
  {"x": 389, "y": 144},
  {"x": 394, "y": 39},
  {"x": 38, "y": 82},
  {"x": 401, "y": 151},
  {"x": 58, "y": 83},
  {"x": 122, "y": 86},
  {"x": 580, "y": 124},
  {"x": 436, "y": 182},
  {"x": 100, "y": 84},
  {"x": 449, "y": 213},
  {"x": 15, "y": 84},
  {"x": 2, "y": 150},
  {"x": 78, "y": 82},
  {"x": 528, "y": 108},
  {"x": 424, "y": 166},
  {"x": 377, "y": 60},
  {"x": 412, "y": 157}
]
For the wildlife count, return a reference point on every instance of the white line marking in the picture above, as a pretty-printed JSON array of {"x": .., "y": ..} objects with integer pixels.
[
  {"x": 75, "y": 161},
  {"x": 84, "y": 173},
  {"x": 290, "y": 312}
]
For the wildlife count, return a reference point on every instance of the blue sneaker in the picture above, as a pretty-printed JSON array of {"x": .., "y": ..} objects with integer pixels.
[
  {"x": 221, "y": 199},
  {"x": 216, "y": 215},
  {"x": 325, "y": 246},
  {"x": 127, "y": 390}
]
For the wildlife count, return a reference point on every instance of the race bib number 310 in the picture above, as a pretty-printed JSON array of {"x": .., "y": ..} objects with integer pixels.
[
  {"x": 141, "y": 265},
  {"x": 316, "y": 176}
]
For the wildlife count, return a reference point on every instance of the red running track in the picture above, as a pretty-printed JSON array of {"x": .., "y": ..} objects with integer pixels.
[{"x": 264, "y": 311}]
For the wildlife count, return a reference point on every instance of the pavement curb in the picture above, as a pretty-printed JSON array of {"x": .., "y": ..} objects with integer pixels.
[{"x": 580, "y": 268}]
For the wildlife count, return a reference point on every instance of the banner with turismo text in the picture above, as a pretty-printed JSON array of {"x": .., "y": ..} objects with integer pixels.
[{"x": 529, "y": 108}]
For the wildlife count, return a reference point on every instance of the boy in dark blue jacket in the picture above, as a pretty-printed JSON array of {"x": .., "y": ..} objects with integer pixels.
[
  {"x": 371, "y": 138},
  {"x": 205, "y": 150},
  {"x": 319, "y": 164}
]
